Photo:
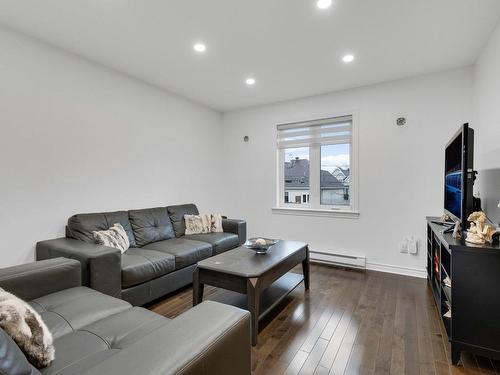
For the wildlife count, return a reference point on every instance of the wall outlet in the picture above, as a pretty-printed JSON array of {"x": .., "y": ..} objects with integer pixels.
[
  {"x": 403, "y": 247},
  {"x": 409, "y": 246},
  {"x": 412, "y": 245}
]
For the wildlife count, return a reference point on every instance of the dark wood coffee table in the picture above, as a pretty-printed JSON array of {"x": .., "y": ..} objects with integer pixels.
[{"x": 242, "y": 270}]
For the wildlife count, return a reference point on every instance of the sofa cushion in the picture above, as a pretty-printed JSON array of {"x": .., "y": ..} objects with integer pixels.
[
  {"x": 151, "y": 225},
  {"x": 89, "y": 327},
  {"x": 77, "y": 352},
  {"x": 177, "y": 213},
  {"x": 123, "y": 329},
  {"x": 74, "y": 308},
  {"x": 220, "y": 241},
  {"x": 141, "y": 265},
  {"x": 81, "y": 226},
  {"x": 82, "y": 349},
  {"x": 186, "y": 251}
]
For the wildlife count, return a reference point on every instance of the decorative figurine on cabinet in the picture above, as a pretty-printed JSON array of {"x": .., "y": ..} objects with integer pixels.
[{"x": 480, "y": 231}]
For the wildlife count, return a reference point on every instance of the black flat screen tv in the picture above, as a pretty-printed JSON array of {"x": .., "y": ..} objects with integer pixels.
[{"x": 459, "y": 175}]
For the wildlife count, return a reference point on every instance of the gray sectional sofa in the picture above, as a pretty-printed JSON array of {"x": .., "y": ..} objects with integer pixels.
[
  {"x": 160, "y": 260},
  {"x": 95, "y": 334}
]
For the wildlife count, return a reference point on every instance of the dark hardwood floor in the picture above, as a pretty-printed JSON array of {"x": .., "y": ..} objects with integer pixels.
[{"x": 351, "y": 322}]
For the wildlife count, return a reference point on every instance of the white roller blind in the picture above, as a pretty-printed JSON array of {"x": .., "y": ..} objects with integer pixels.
[{"x": 335, "y": 130}]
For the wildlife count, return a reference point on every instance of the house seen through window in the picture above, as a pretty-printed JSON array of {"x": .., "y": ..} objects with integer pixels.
[{"x": 315, "y": 163}]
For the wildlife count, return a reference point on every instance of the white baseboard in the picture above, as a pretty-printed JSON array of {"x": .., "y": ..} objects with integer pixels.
[{"x": 398, "y": 270}]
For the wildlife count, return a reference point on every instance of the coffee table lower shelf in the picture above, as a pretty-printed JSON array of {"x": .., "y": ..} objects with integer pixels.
[{"x": 269, "y": 298}]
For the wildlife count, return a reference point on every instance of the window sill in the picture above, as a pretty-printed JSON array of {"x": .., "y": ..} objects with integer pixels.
[{"x": 347, "y": 214}]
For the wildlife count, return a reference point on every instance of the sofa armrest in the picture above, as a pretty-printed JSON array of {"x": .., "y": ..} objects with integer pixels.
[
  {"x": 209, "y": 339},
  {"x": 32, "y": 280},
  {"x": 101, "y": 265},
  {"x": 238, "y": 227}
]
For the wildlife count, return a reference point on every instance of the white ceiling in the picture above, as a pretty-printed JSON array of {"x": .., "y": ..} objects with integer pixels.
[{"x": 291, "y": 47}]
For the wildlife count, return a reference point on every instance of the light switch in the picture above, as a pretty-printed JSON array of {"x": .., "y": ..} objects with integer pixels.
[{"x": 412, "y": 245}]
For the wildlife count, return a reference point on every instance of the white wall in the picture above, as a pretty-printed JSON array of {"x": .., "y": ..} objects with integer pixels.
[
  {"x": 400, "y": 169},
  {"x": 487, "y": 104},
  {"x": 76, "y": 137}
]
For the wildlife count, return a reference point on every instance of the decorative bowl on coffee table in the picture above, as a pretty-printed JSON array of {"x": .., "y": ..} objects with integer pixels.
[{"x": 259, "y": 245}]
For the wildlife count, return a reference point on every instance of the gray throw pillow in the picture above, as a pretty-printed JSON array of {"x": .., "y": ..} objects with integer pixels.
[
  {"x": 12, "y": 359},
  {"x": 26, "y": 327},
  {"x": 115, "y": 237}
]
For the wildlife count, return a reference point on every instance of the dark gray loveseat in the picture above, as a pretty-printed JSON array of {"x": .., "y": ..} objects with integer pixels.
[
  {"x": 161, "y": 258},
  {"x": 95, "y": 334}
]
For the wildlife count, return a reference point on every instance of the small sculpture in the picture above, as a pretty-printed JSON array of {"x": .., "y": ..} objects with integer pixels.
[
  {"x": 480, "y": 231},
  {"x": 445, "y": 217},
  {"x": 457, "y": 231},
  {"x": 489, "y": 233}
]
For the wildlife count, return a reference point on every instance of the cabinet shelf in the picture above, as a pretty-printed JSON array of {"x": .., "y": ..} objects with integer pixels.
[
  {"x": 444, "y": 271},
  {"x": 447, "y": 293}
]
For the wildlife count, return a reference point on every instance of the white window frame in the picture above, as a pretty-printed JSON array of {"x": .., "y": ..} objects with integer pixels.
[{"x": 314, "y": 207}]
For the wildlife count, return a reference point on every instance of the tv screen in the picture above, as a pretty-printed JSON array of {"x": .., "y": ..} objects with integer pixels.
[{"x": 453, "y": 177}]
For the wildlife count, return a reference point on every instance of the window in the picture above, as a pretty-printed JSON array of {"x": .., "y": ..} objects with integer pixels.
[
  {"x": 316, "y": 164},
  {"x": 335, "y": 171},
  {"x": 296, "y": 174}
]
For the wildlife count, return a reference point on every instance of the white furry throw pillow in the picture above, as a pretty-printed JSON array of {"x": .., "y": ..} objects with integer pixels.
[
  {"x": 197, "y": 224},
  {"x": 26, "y": 327},
  {"x": 217, "y": 223},
  {"x": 115, "y": 237}
]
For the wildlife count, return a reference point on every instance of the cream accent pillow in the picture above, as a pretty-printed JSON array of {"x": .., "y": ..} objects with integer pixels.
[
  {"x": 26, "y": 327},
  {"x": 115, "y": 237},
  {"x": 198, "y": 224},
  {"x": 217, "y": 223}
]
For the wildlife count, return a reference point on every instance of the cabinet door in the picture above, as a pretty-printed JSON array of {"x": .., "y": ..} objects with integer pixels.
[{"x": 476, "y": 297}]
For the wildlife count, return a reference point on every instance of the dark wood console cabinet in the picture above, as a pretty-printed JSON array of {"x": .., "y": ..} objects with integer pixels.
[{"x": 474, "y": 296}]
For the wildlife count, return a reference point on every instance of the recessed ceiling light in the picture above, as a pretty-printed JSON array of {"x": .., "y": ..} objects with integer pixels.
[
  {"x": 323, "y": 4},
  {"x": 250, "y": 81},
  {"x": 200, "y": 47},
  {"x": 348, "y": 58}
]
